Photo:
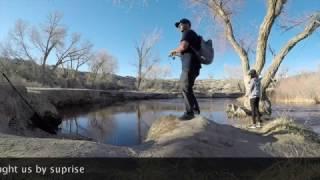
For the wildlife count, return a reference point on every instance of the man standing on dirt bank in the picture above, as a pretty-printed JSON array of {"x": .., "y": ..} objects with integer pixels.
[{"x": 189, "y": 42}]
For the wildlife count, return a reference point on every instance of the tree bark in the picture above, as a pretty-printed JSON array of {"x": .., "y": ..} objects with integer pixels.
[
  {"x": 139, "y": 78},
  {"x": 222, "y": 13},
  {"x": 272, "y": 70},
  {"x": 273, "y": 11}
]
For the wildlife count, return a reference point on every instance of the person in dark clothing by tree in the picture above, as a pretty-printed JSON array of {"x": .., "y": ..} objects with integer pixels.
[
  {"x": 254, "y": 93},
  {"x": 191, "y": 65}
]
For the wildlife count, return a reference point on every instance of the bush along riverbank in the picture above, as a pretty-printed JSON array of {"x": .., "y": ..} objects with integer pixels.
[{"x": 299, "y": 89}]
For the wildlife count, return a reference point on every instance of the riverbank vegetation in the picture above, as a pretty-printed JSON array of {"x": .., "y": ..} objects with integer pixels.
[{"x": 303, "y": 88}]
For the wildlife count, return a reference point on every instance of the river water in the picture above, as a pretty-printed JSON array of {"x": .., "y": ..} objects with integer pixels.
[{"x": 126, "y": 124}]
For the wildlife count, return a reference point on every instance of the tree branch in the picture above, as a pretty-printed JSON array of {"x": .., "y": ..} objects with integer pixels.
[
  {"x": 310, "y": 28},
  {"x": 221, "y": 12},
  {"x": 273, "y": 11}
]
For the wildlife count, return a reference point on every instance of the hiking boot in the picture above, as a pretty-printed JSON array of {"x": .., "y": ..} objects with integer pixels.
[
  {"x": 186, "y": 116},
  {"x": 196, "y": 111},
  {"x": 253, "y": 126}
]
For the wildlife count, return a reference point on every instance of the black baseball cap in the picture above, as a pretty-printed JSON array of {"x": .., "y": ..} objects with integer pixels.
[
  {"x": 252, "y": 72},
  {"x": 183, "y": 21}
]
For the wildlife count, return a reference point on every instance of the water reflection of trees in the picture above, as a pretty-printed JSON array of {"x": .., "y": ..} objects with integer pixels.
[
  {"x": 71, "y": 125},
  {"x": 148, "y": 111},
  {"x": 101, "y": 124},
  {"x": 139, "y": 120}
]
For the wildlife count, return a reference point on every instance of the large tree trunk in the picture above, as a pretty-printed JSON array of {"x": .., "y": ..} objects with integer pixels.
[
  {"x": 265, "y": 103},
  {"x": 244, "y": 109},
  {"x": 43, "y": 74},
  {"x": 220, "y": 9},
  {"x": 139, "y": 78}
]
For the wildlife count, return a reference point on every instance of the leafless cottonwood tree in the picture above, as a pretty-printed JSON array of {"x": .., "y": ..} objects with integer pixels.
[
  {"x": 159, "y": 72},
  {"x": 16, "y": 45},
  {"x": 50, "y": 35},
  {"x": 146, "y": 58},
  {"x": 101, "y": 64},
  {"x": 24, "y": 41},
  {"x": 73, "y": 55},
  {"x": 222, "y": 12},
  {"x": 39, "y": 43}
]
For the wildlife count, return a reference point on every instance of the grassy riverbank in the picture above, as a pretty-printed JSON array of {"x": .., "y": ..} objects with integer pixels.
[{"x": 299, "y": 89}]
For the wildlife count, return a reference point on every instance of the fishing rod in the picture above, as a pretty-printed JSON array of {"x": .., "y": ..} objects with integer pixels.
[
  {"x": 36, "y": 118},
  {"x": 16, "y": 90}
]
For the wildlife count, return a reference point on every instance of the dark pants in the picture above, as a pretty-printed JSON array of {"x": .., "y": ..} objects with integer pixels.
[
  {"x": 187, "y": 80},
  {"x": 254, "y": 103}
]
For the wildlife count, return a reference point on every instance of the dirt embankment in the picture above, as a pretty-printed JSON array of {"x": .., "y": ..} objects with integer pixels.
[{"x": 16, "y": 115}]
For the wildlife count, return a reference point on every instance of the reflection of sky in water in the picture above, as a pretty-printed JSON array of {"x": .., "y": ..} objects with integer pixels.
[
  {"x": 120, "y": 124},
  {"x": 125, "y": 131}
]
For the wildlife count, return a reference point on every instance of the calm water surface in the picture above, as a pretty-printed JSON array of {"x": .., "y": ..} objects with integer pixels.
[{"x": 126, "y": 124}]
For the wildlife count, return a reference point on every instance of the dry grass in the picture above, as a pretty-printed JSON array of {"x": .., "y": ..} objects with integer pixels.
[
  {"x": 292, "y": 140},
  {"x": 286, "y": 125},
  {"x": 303, "y": 88},
  {"x": 162, "y": 126}
]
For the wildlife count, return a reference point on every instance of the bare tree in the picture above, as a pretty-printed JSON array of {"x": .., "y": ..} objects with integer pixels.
[
  {"x": 65, "y": 52},
  {"x": 283, "y": 73},
  {"x": 222, "y": 11},
  {"x": 7, "y": 51},
  {"x": 82, "y": 57},
  {"x": 41, "y": 43},
  {"x": 102, "y": 64},
  {"x": 146, "y": 58},
  {"x": 23, "y": 40},
  {"x": 74, "y": 54},
  {"x": 159, "y": 72},
  {"x": 17, "y": 45},
  {"x": 47, "y": 37}
]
